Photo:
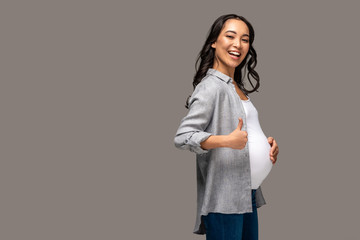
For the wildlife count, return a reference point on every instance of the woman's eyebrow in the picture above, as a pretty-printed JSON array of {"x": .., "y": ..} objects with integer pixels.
[{"x": 247, "y": 35}]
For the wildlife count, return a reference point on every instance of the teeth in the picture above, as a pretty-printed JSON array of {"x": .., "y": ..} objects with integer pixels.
[{"x": 235, "y": 53}]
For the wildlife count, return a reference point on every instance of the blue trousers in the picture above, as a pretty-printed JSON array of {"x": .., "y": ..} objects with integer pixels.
[{"x": 221, "y": 226}]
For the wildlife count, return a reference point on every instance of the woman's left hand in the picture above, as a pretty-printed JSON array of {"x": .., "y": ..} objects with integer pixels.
[{"x": 274, "y": 151}]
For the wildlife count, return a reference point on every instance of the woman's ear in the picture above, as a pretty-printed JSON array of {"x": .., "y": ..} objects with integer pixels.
[{"x": 213, "y": 45}]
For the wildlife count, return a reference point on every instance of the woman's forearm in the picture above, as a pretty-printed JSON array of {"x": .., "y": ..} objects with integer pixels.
[{"x": 214, "y": 141}]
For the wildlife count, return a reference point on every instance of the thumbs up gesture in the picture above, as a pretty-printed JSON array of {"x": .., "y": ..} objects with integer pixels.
[{"x": 237, "y": 139}]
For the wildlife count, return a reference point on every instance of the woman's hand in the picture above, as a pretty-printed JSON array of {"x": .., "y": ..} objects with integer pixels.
[
  {"x": 237, "y": 139},
  {"x": 274, "y": 151}
]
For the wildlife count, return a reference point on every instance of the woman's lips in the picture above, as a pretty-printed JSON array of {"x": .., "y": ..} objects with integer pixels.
[{"x": 234, "y": 57}]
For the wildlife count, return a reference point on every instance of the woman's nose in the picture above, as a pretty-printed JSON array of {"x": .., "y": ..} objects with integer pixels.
[{"x": 237, "y": 43}]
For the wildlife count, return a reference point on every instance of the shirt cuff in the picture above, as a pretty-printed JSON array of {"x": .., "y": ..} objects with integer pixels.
[{"x": 194, "y": 141}]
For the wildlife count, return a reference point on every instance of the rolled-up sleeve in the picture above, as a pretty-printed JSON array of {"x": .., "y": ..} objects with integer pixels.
[{"x": 192, "y": 129}]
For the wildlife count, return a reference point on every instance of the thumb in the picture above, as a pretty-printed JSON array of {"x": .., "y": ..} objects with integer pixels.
[{"x": 240, "y": 123}]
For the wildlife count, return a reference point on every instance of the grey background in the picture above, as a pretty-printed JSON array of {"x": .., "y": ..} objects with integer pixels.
[{"x": 92, "y": 93}]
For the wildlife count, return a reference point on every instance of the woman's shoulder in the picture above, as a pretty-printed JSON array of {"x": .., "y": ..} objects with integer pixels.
[
  {"x": 210, "y": 85},
  {"x": 208, "y": 90}
]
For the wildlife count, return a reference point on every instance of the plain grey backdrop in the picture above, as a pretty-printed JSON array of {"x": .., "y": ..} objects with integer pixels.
[{"x": 92, "y": 93}]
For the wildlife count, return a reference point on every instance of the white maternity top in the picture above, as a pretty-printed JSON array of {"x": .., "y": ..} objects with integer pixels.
[{"x": 259, "y": 148}]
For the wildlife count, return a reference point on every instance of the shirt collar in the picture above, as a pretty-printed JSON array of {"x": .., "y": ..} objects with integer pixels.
[{"x": 218, "y": 74}]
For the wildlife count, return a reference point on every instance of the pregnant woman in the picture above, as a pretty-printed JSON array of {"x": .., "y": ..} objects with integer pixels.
[{"x": 233, "y": 156}]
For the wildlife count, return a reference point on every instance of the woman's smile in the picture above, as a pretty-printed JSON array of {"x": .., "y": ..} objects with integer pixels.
[{"x": 234, "y": 55}]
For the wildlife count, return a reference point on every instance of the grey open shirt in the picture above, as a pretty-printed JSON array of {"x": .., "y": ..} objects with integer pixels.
[{"x": 223, "y": 174}]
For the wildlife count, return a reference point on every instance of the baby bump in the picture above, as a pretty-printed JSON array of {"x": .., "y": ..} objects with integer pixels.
[{"x": 259, "y": 153}]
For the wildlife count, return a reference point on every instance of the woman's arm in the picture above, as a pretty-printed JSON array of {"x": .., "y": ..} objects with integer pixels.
[
  {"x": 191, "y": 131},
  {"x": 214, "y": 141},
  {"x": 191, "y": 134},
  {"x": 237, "y": 139}
]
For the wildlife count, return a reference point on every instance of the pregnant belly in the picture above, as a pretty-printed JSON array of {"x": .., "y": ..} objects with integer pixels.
[{"x": 260, "y": 163}]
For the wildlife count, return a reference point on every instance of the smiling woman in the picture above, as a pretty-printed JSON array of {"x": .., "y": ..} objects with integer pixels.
[
  {"x": 233, "y": 155},
  {"x": 226, "y": 30}
]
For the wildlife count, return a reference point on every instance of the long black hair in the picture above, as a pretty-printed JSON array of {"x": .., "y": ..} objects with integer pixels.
[{"x": 207, "y": 54}]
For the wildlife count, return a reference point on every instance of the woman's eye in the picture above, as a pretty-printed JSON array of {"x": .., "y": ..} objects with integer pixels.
[{"x": 231, "y": 37}]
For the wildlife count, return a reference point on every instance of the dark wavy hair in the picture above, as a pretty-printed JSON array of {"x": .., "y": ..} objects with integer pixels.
[{"x": 207, "y": 54}]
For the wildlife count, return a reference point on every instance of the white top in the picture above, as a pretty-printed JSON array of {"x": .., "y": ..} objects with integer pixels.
[{"x": 259, "y": 148}]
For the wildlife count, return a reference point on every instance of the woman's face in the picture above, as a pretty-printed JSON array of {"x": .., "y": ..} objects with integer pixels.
[{"x": 231, "y": 46}]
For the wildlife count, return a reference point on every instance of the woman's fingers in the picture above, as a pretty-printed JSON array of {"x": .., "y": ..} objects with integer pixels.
[{"x": 274, "y": 151}]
